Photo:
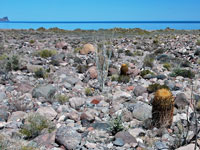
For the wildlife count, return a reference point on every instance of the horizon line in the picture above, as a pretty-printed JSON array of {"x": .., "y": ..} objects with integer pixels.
[{"x": 116, "y": 21}]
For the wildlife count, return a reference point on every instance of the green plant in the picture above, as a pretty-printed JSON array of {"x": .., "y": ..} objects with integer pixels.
[
  {"x": 114, "y": 77},
  {"x": 183, "y": 72},
  {"x": 77, "y": 49},
  {"x": 148, "y": 61},
  {"x": 40, "y": 73},
  {"x": 138, "y": 53},
  {"x": 128, "y": 53},
  {"x": 34, "y": 126},
  {"x": 145, "y": 72},
  {"x": 12, "y": 63},
  {"x": 154, "y": 87},
  {"x": 62, "y": 99},
  {"x": 88, "y": 92},
  {"x": 198, "y": 42},
  {"x": 47, "y": 53},
  {"x": 167, "y": 66},
  {"x": 27, "y": 148},
  {"x": 32, "y": 41},
  {"x": 123, "y": 79},
  {"x": 3, "y": 57},
  {"x": 116, "y": 125}
]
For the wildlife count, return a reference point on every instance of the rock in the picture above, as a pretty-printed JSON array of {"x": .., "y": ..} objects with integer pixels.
[
  {"x": 187, "y": 147},
  {"x": 119, "y": 95},
  {"x": 161, "y": 76},
  {"x": 3, "y": 114},
  {"x": 47, "y": 139},
  {"x": 139, "y": 90},
  {"x": 74, "y": 116},
  {"x": 136, "y": 131},
  {"x": 87, "y": 48},
  {"x": 90, "y": 145},
  {"x": 181, "y": 100},
  {"x": 71, "y": 80},
  {"x": 46, "y": 91},
  {"x": 68, "y": 86},
  {"x": 118, "y": 142},
  {"x": 2, "y": 96},
  {"x": 93, "y": 72},
  {"x": 68, "y": 137},
  {"x": 17, "y": 116},
  {"x": 76, "y": 102},
  {"x": 141, "y": 110},
  {"x": 98, "y": 136},
  {"x": 48, "y": 112},
  {"x": 161, "y": 145},
  {"x": 112, "y": 71},
  {"x": 126, "y": 137},
  {"x": 24, "y": 87},
  {"x": 61, "y": 45},
  {"x": 101, "y": 126}
]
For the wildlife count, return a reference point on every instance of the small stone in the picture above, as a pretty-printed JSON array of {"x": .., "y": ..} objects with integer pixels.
[
  {"x": 68, "y": 137},
  {"x": 126, "y": 137},
  {"x": 161, "y": 145},
  {"x": 76, "y": 102},
  {"x": 181, "y": 100},
  {"x": 90, "y": 145},
  {"x": 187, "y": 147},
  {"x": 93, "y": 72},
  {"x": 139, "y": 90},
  {"x": 48, "y": 112},
  {"x": 95, "y": 101},
  {"x": 118, "y": 142}
]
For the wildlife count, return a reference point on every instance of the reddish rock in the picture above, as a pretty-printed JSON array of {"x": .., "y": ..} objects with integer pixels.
[
  {"x": 130, "y": 88},
  {"x": 126, "y": 137},
  {"x": 24, "y": 87},
  {"x": 93, "y": 72},
  {"x": 90, "y": 129},
  {"x": 95, "y": 101},
  {"x": 61, "y": 45}
]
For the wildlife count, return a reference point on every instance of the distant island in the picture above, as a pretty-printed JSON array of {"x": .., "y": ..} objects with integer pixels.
[{"x": 4, "y": 19}]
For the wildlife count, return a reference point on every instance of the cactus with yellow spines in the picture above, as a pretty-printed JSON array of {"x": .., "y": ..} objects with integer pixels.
[
  {"x": 124, "y": 69},
  {"x": 163, "y": 108}
]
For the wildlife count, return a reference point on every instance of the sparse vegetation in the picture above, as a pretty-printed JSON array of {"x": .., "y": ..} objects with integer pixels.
[
  {"x": 167, "y": 66},
  {"x": 47, "y": 53},
  {"x": 13, "y": 63},
  {"x": 62, "y": 99},
  {"x": 198, "y": 42},
  {"x": 123, "y": 79},
  {"x": 34, "y": 126},
  {"x": 154, "y": 87},
  {"x": 183, "y": 72},
  {"x": 148, "y": 61},
  {"x": 88, "y": 92},
  {"x": 116, "y": 125},
  {"x": 40, "y": 73},
  {"x": 145, "y": 72}
]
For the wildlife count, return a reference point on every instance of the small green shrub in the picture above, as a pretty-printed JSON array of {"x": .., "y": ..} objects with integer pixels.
[
  {"x": 167, "y": 66},
  {"x": 123, "y": 79},
  {"x": 138, "y": 53},
  {"x": 198, "y": 42},
  {"x": 47, "y": 53},
  {"x": 13, "y": 63},
  {"x": 40, "y": 73},
  {"x": 154, "y": 87},
  {"x": 145, "y": 72},
  {"x": 128, "y": 53},
  {"x": 77, "y": 50},
  {"x": 88, "y": 92},
  {"x": 148, "y": 61},
  {"x": 183, "y": 72},
  {"x": 35, "y": 124},
  {"x": 114, "y": 77},
  {"x": 27, "y": 148},
  {"x": 3, "y": 57},
  {"x": 62, "y": 99},
  {"x": 116, "y": 125},
  {"x": 32, "y": 41}
]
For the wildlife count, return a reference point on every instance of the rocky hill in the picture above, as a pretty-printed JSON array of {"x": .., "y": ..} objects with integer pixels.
[{"x": 4, "y": 19}]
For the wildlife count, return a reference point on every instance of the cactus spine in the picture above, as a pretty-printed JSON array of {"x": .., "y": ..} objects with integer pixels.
[{"x": 163, "y": 108}]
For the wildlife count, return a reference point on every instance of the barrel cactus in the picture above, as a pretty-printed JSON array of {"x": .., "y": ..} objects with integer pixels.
[
  {"x": 124, "y": 69},
  {"x": 163, "y": 107}
]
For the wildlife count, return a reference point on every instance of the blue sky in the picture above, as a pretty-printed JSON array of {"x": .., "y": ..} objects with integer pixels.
[{"x": 93, "y": 10}]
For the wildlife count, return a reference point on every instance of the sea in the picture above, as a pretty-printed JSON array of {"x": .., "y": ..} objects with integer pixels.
[{"x": 95, "y": 25}]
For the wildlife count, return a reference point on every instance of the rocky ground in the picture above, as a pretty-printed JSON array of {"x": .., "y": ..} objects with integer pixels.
[{"x": 50, "y": 95}]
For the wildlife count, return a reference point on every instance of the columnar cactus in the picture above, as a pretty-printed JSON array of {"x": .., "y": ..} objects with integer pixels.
[{"x": 163, "y": 107}]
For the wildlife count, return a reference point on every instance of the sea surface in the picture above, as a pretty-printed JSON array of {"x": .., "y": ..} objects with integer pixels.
[{"x": 87, "y": 25}]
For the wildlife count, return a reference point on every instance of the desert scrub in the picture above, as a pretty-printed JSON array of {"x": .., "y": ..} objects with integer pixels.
[
  {"x": 32, "y": 41},
  {"x": 138, "y": 53},
  {"x": 13, "y": 63},
  {"x": 34, "y": 126},
  {"x": 145, "y": 72},
  {"x": 123, "y": 79},
  {"x": 28, "y": 148},
  {"x": 77, "y": 49},
  {"x": 88, "y": 91},
  {"x": 128, "y": 53},
  {"x": 183, "y": 72},
  {"x": 62, "y": 99},
  {"x": 167, "y": 66},
  {"x": 47, "y": 53},
  {"x": 116, "y": 125},
  {"x": 154, "y": 87},
  {"x": 198, "y": 42},
  {"x": 148, "y": 61},
  {"x": 40, "y": 73},
  {"x": 3, "y": 57}
]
